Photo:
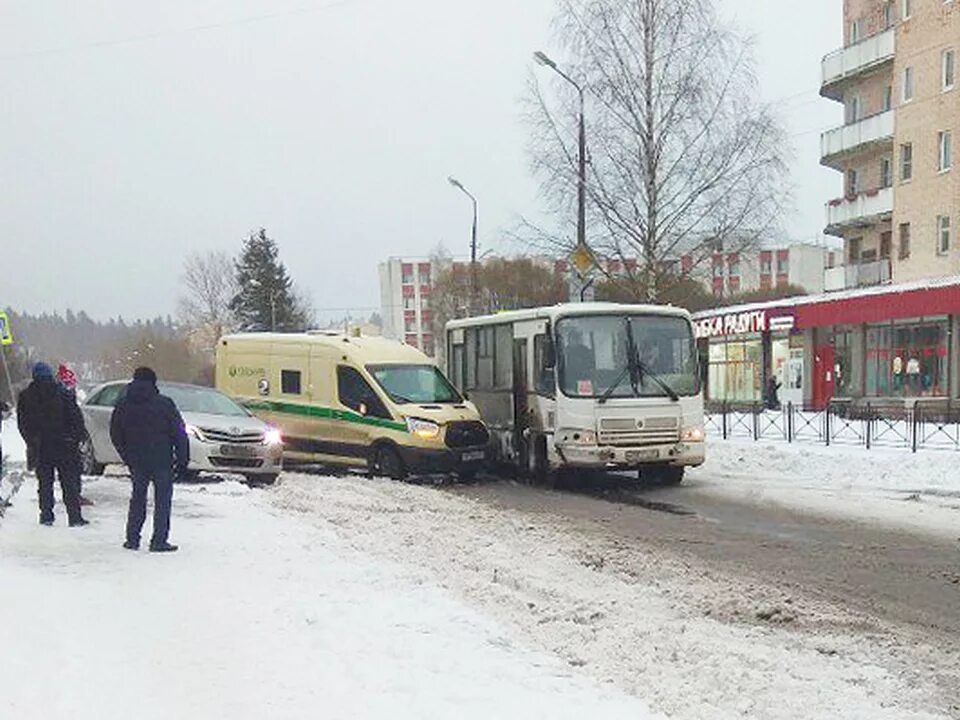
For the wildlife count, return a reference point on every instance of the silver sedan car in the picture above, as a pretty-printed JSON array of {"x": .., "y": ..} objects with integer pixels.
[{"x": 224, "y": 437}]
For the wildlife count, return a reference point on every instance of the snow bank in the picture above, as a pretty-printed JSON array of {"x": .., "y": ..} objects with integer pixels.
[
  {"x": 917, "y": 491},
  {"x": 258, "y": 616},
  {"x": 632, "y": 613},
  {"x": 13, "y": 447}
]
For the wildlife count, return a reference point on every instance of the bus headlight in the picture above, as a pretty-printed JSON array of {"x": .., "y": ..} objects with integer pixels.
[
  {"x": 693, "y": 434},
  {"x": 576, "y": 436},
  {"x": 423, "y": 429}
]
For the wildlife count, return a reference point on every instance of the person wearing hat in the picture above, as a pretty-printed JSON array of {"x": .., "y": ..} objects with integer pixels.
[
  {"x": 68, "y": 379},
  {"x": 52, "y": 427},
  {"x": 151, "y": 438}
]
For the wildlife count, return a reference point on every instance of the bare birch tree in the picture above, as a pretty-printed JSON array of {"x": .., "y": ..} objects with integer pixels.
[
  {"x": 683, "y": 159},
  {"x": 209, "y": 284}
]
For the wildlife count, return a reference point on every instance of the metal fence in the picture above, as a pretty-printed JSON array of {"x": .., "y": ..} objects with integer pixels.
[{"x": 907, "y": 427}]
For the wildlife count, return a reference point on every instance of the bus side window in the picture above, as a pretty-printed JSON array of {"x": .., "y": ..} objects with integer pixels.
[{"x": 543, "y": 376}]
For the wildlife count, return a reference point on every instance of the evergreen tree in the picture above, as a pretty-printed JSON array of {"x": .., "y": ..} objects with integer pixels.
[{"x": 266, "y": 299}]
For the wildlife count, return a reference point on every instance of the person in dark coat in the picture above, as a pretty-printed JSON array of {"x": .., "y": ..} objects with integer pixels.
[
  {"x": 52, "y": 427},
  {"x": 149, "y": 434},
  {"x": 773, "y": 393},
  {"x": 68, "y": 379}
]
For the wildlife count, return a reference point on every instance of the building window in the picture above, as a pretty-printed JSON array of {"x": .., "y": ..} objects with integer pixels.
[
  {"x": 766, "y": 264},
  {"x": 290, "y": 382},
  {"x": 888, "y": 15},
  {"x": 854, "y": 109},
  {"x": 907, "y": 84},
  {"x": 906, "y": 9},
  {"x": 717, "y": 270},
  {"x": 906, "y": 162},
  {"x": 853, "y": 183},
  {"x": 947, "y": 69},
  {"x": 886, "y": 241},
  {"x": 888, "y": 98},
  {"x": 856, "y": 31},
  {"x": 424, "y": 302},
  {"x": 407, "y": 278},
  {"x": 945, "y": 151},
  {"x": 943, "y": 234},
  {"x": 783, "y": 264},
  {"x": 886, "y": 172},
  {"x": 410, "y": 303},
  {"x": 410, "y": 325},
  {"x": 854, "y": 247},
  {"x": 904, "y": 241}
]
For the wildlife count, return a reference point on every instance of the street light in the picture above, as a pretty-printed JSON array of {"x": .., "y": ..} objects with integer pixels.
[
  {"x": 473, "y": 240},
  {"x": 543, "y": 59}
]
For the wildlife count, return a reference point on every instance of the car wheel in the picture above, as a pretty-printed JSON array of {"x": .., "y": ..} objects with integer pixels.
[
  {"x": 88, "y": 460},
  {"x": 388, "y": 463}
]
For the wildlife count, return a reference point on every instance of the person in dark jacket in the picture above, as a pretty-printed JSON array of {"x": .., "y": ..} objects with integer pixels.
[
  {"x": 52, "y": 427},
  {"x": 149, "y": 434},
  {"x": 68, "y": 380}
]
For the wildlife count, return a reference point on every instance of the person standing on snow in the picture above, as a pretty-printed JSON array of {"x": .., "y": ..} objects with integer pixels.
[
  {"x": 149, "y": 434},
  {"x": 52, "y": 427},
  {"x": 68, "y": 380}
]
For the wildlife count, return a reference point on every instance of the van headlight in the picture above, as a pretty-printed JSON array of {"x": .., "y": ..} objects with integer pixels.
[
  {"x": 693, "y": 434},
  {"x": 423, "y": 429},
  {"x": 576, "y": 436}
]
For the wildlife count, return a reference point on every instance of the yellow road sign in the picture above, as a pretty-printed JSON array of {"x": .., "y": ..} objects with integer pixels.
[
  {"x": 6, "y": 332},
  {"x": 582, "y": 259}
]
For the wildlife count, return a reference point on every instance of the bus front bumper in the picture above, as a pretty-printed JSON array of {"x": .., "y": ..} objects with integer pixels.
[{"x": 626, "y": 458}]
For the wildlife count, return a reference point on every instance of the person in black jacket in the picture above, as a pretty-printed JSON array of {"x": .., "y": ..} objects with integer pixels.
[
  {"x": 148, "y": 433},
  {"x": 52, "y": 427}
]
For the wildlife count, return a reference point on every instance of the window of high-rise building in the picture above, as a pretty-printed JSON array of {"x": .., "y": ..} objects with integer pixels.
[
  {"x": 943, "y": 234},
  {"x": 856, "y": 31},
  {"x": 948, "y": 63},
  {"x": 424, "y": 302},
  {"x": 853, "y": 183},
  {"x": 854, "y": 250},
  {"x": 906, "y": 9},
  {"x": 854, "y": 109},
  {"x": 886, "y": 241},
  {"x": 944, "y": 150},
  {"x": 907, "y": 84},
  {"x": 906, "y": 162},
  {"x": 888, "y": 17},
  {"x": 886, "y": 172},
  {"x": 888, "y": 98},
  {"x": 904, "y": 241}
]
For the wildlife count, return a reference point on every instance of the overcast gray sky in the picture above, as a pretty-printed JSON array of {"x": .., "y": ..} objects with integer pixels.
[{"x": 133, "y": 132}]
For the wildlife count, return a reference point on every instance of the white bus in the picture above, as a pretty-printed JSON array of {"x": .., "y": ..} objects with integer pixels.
[{"x": 590, "y": 385}]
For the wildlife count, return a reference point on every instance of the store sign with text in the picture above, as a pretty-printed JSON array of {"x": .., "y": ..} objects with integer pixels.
[{"x": 743, "y": 323}]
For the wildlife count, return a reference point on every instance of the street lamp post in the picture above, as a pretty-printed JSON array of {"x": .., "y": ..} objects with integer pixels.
[
  {"x": 544, "y": 60},
  {"x": 473, "y": 242}
]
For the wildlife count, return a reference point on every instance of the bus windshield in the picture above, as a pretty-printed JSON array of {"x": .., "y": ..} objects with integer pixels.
[
  {"x": 620, "y": 356},
  {"x": 414, "y": 384}
]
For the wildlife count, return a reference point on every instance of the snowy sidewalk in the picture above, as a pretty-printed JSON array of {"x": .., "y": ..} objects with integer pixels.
[{"x": 258, "y": 616}]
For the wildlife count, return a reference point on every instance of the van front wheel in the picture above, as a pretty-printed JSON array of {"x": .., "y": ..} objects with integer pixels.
[{"x": 388, "y": 463}]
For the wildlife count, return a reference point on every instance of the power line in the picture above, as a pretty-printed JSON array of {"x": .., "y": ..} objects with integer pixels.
[{"x": 148, "y": 37}]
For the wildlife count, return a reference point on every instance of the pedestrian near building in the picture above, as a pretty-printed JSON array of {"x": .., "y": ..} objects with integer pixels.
[
  {"x": 149, "y": 434},
  {"x": 52, "y": 426},
  {"x": 68, "y": 380}
]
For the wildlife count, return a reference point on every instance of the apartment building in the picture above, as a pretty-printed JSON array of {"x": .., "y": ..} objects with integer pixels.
[
  {"x": 896, "y": 78},
  {"x": 405, "y": 286}
]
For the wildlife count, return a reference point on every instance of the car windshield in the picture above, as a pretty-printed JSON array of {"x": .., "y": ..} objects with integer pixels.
[
  {"x": 414, "y": 384},
  {"x": 617, "y": 356},
  {"x": 202, "y": 400}
]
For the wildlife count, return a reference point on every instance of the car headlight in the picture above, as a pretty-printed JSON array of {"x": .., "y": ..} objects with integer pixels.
[
  {"x": 423, "y": 429},
  {"x": 273, "y": 436},
  {"x": 693, "y": 434},
  {"x": 193, "y": 431},
  {"x": 576, "y": 436}
]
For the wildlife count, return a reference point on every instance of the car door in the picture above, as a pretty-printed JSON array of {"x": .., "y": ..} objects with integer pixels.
[{"x": 97, "y": 411}]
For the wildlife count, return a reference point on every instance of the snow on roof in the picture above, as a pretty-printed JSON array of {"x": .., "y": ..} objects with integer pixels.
[{"x": 798, "y": 300}]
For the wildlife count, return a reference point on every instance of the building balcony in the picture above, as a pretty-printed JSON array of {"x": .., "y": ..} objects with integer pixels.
[
  {"x": 845, "y": 63},
  {"x": 863, "y": 210},
  {"x": 865, "y": 274},
  {"x": 839, "y": 142}
]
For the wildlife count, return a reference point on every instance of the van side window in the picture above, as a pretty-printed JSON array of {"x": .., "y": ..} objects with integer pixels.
[
  {"x": 290, "y": 382},
  {"x": 543, "y": 377},
  {"x": 355, "y": 391}
]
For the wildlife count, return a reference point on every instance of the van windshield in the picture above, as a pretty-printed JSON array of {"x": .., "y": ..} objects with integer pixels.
[{"x": 414, "y": 384}]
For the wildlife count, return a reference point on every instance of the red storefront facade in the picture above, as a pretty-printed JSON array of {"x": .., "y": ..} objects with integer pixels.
[{"x": 891, "y": 343}]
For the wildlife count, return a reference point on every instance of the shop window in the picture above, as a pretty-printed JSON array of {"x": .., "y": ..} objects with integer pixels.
[
  {"x": 736, "y": 370},
  {"x": 290, "y": 382},
  {"x": 907, "y": 359},
  {"x": 843, "y": 363}
]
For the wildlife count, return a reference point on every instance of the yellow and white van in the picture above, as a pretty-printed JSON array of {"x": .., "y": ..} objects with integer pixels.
[{"x": 354, "y": 401}]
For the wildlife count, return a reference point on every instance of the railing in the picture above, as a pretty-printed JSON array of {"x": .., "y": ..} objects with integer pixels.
[
  {"x": 868, "y": 425},
  {"x": 849, "y": 61},
  {"x": 859, "y": 208},
  {"x": 875, "y": 128}
]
